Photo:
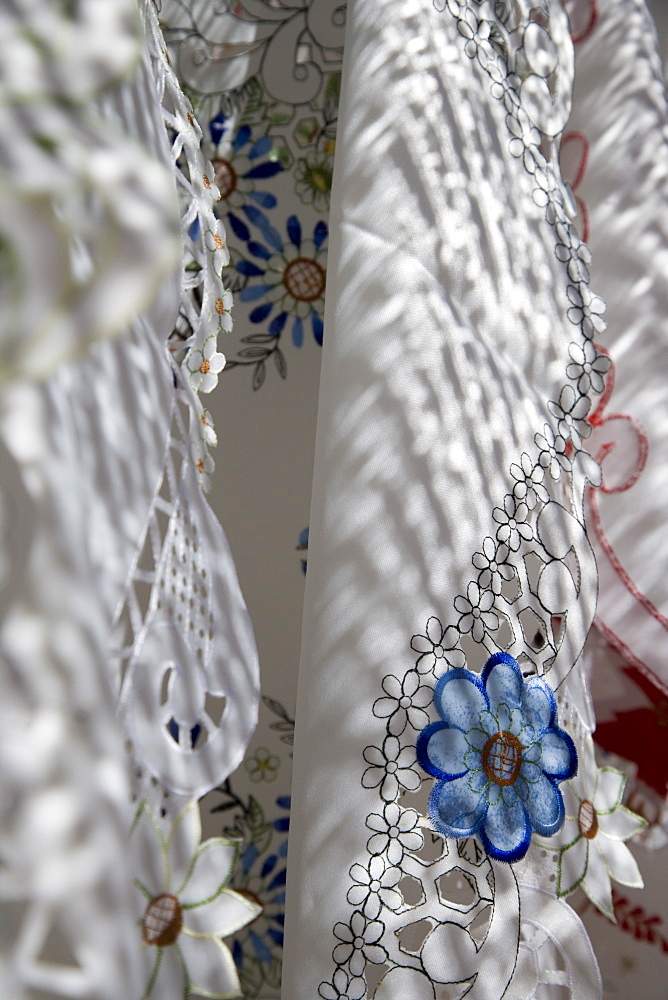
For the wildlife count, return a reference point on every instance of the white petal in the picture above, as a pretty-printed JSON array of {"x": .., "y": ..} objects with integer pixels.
[
  {"x": 621, "y": 863},
  {"x": 597, "y": 883},
  {"x": 169, "y": 980},
  {"x": 211, "y": 868},
  {"x": 621, "y": 823},
  {"x": 609, "y": 788},
  {"x": 182, "y": 842},
  {"x": 573, "y": 865},
  {"x": 210, "y": 967},
  {"x": 222, "y": 916}
]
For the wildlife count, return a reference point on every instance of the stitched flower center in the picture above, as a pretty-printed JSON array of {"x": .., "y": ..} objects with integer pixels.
[
  {"x": 226, "y": 177},
  {"x": 391, "y": 766},
  {"x": 502, "y": 758},
  {"x": 405, "y": 702},
  {"x": 358, "y": 943},
  {"x": 304, "y": 279},
  {"x": 587, "y": 819},
  {"x": 393, "y": 832},
  {"x": 374, "y": 885},
  {"x": 162, "y": 921},
  {"x": 205, "y": 366},
  {"x": 439, "y": 652}
]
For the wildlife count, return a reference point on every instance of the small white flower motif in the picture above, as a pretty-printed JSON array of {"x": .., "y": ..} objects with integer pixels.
[
  {"x": 375, "y": 887},
  {"x": 208, "y": 430},
  {"x": 477, "y": 34},
  {"x": 552, "y": 455},
  {"x": 571, "y": 412},
  {"x": 405, "y": 702},
  {"x": 525, "y": 140},
  {"x": 548, "y": 194},
  {"x": 512, "y": 522},
  {"x": 587, "y": 310},
  {"x": 476, "y": 611},
  {"x": 591, "y": 842},
  {"x": 358, "y": 943},
  {"x": 214, "y": 240},
  {"x": 223, "y": 307},
  {"x": 571, "y": 249},
  {"x": 529, "y": 478},
  {"x": 342, "y": 987},
  {"x": 391, "y": 768},
  {"x": 204, "y": 365},
  {"x": 203, "y": 463},
  {"x": 186, "y": 908},
  {"x": 588, "y": 367},
  {"x": 395, "y": 831},
  {"x": 506, "y": 86},
  {"x": 438, "y": 648},
  {"x": 493, "y": 565}
]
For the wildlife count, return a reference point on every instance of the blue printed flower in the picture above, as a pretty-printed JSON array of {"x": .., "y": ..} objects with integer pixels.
[
  {"x": 290, "y": 275},
  {"x": 499, "y": 757},
  {"x": 239, "y": 163}
]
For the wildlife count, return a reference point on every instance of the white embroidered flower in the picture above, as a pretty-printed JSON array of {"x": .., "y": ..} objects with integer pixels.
[
  {"x": 477, "y": 32},
  {"x": 395, "y": 831},
  {"x": 588, "y": 367},
  {"x": 202, "y": 462},
  {"x": 571, "y": 412},
  {"x": 214, "y": 240},
  {"x": 186, "y": 908},
  {"x": 571, "y": 249},
  {"x": 342, "y": 987},
  {"x": 358, "y": 943},
  {"x": 208, "y": 430},
  {"x": 405, "y": 702},
  {"x": 391, "y": 768},
  {"x": 512, "y": 522},
  {"x": 438, "y": 648},
  {"x": 591, "y": 842},
  {"x": 375, "y": 887},
  {"x": 493, "y": 565},
  {"x": 476, "y": 611},
  {"x": 525, "y": 140},
  {"x": 587, "y": 309},
  {"x": 552, "y": 455},
  {"x": 204, "y": 365},
  {"x": 529, "y": 488},
  {"x": 223, "y": 307}
]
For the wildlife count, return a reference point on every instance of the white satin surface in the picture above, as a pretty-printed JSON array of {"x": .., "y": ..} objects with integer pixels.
[
  {"x": 445, "y": 337},
  {"x": 620, "y": 106}
]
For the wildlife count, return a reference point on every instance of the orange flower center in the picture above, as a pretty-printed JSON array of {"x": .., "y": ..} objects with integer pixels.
[
  {"x": 587, "y": 819},
  {"x": 220, "y": 306},
  {"x": 304, "y": 279},
  {"x": 162, "y": 921},
  {"x": 205, "y": 367},
  {"x": 502, "y": 758},
  {"x": 226, "y": 177}
]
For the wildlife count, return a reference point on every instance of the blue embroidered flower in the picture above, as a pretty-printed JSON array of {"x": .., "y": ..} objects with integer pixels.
[
  {"x": 499, "y": 757},
  {"x": 239, "y": 162},
  {"x": 290, "y": 275}
]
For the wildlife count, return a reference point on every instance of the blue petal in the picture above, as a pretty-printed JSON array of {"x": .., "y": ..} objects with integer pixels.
[
  {"x": 261, "y": 147},
  {"x": 276, "y": 936},
  {"x": 247, "y": 267},
  {"x": 506, "y": 832},
  {"x": 279, "y": 879},
  {"x": 455, "y": 809},
  {"x": 248, "y": 858},
  {"x": 193, "y": 229},
  {"x": 316, "y": 323},
  {"x": 558, "y": 758},
  {"x": 269, "y": 865},
  {"x": 460, "y": 697},
  {"x": 217, "y": 128},
  {"x": 545, "y": 807},
  {"x": 260, "y": 220},
  {"x": 441, "y": 751},
  {"x": 282, "y": 824},
  {"x": 258, "y": 250},
  {"x": 268, "y": 169},
  {"x": 253, "y": 292},
  {"x": 261, "y": 949},
  {"x": 239, "y": 228},
  {"x": 260, "y": 313},
  {"x": 320, "y": 233},
  {"x": 283, "y": 849},
  {"x": 277, "y": 324},
  {"x": 237, "y": 953},
  {"x": 297, "y": 332},
  {"x": 503, "y": 681},
  {"x": 263, "y": 198},
  {"x": 538, "y": 705},
  {"x": 294, "y": 231},
  {"x": 284, "y": 801},
  {"x": 241, "y": 138}
]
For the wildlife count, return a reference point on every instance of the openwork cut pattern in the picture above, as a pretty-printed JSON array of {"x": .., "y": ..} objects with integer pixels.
[{"x": 433, "y": 902}]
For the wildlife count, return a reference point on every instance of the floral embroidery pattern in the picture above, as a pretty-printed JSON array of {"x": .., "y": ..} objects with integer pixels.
[
  {"x": 498, "y": 755},
  {"x": 591, "y": 843},
  {"x": 187, "y": 907},
  {"x": 262, "y": 765}
]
